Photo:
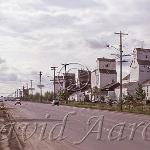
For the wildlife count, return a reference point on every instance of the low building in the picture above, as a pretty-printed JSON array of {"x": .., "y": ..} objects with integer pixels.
[
  {"x": 77, "y": 96},
  {"x": 146, "y": 87}
]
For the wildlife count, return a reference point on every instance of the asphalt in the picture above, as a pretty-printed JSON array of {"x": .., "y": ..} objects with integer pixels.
[{"x": 77, "y": 134}]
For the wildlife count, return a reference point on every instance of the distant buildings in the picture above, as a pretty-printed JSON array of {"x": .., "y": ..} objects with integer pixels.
[
  {"x": 105, "y": 73},
  {"x": 65, "y": 82},
  {"x": 83, "y": 84},
  {"x": 84, "y": 79},
  {"x": 139, "y": 73},
  {"x": 104, "y": 77},
  {"x": 140, "y": 66},
  {"x": 69, "y": 82},
  {"x": 59, "y": 81}
]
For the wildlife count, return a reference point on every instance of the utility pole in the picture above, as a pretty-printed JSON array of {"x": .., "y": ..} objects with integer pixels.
[
  {"x": 121, "y": 51},
  {"x": 27, "y": 91},
  {"x": 54, "y": 69},
  {"x": 27, "y": 86},
  {"x": 17, "y": 93},
  {"x": 31, "y": 87},
  {"x": 65, "y": 65},
  {"x": 65, "y": 74},
  {"x": 41, "y": 85},
  {"x": 23, "y": 92}
]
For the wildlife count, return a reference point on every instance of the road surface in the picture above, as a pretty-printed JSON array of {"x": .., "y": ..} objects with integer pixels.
[{"x": 46, "y": 116}]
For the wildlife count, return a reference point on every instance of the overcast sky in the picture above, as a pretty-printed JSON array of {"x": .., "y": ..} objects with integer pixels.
[{"x": 37, "y": 34}]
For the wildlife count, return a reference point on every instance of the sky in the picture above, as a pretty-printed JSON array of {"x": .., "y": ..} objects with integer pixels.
[{"x": 38, "y": 34}]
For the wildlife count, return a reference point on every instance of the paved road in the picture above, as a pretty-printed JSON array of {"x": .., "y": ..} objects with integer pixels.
[{"x": 76, "y": 128}]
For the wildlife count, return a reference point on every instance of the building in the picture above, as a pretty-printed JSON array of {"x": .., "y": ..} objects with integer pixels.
[
  {"x": 70, "y": 82},
  {"x": 59, "y": 81},
  {"x": 65, "y": 82},
  {"x": 146, "y": 87},
  {"x": 140, "y": 66},
  {"x": 105, "y": 73},
  {"x": 139, "y": 73},
  {"x": 84, "y": 79},
  {"x": 77, "y": 96},
  {"x": 104, "y": 77},
  {"x": 83, "y": 84}
]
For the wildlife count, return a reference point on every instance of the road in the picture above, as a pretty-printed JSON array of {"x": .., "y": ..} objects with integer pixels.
[{"x": 76, "y": 128}]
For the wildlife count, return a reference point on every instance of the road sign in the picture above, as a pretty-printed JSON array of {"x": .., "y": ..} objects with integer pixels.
[{"x": 40, "y": 86}]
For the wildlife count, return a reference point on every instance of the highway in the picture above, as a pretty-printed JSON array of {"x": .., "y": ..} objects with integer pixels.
[{"x": 74, "y": 136}]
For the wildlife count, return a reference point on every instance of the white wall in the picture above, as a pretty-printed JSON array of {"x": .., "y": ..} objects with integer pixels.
[
  {"x": 93, "y": 79},
  {"x": 102, "y": 79},
  {"x": 134, "y": 71},
  {"x": 138, "y": 72}
]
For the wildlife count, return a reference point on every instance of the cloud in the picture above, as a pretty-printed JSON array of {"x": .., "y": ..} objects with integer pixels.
[
  {"x": 2, "y": 60},
  {"x": 95, "y": 44},
  {"x": 36, "y": 34},
  {"x": 8, "y": 77},
  {"x": 71, "y": 3}
]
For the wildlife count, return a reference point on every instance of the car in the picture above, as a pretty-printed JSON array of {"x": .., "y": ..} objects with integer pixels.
[
  {"x": 55, "y": 102},
  {"x": 18, "y": 101}
]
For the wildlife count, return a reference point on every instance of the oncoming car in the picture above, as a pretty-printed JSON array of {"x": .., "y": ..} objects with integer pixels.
[
  {"x": 55, "y": 102},
  {"x": 18, "y": 101}
]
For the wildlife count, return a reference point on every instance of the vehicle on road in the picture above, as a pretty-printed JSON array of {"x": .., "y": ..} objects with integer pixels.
[
  {"x": 55, "y": 102},
  {"x": 1, "y": 99},
  {"x": 18, "y": 101}
]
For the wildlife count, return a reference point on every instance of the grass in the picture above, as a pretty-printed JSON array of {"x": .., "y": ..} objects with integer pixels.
[{"x": 103, "y": 106}]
